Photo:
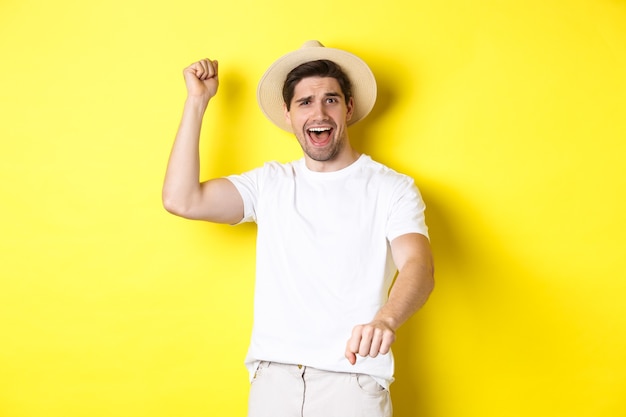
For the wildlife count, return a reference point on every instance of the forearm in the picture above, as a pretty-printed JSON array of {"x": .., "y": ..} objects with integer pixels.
[
  {"x": 182, "y": 179},
  {"x": 413, "y": 285},
  {"x": 409, "y": 293}
]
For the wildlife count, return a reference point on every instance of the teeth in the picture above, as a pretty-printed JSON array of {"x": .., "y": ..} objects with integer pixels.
[{"x": 319, "y": 129}]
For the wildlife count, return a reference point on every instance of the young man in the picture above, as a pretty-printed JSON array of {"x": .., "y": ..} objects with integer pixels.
[{"x": 333, "y": 229}]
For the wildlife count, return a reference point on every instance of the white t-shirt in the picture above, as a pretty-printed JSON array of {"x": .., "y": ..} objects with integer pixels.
[{"x": 323, "y": 258}]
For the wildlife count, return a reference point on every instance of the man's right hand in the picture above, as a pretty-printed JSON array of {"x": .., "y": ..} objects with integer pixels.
[
  {"x": 201, "y": 79},
  {"x": 216, "y": 200}
]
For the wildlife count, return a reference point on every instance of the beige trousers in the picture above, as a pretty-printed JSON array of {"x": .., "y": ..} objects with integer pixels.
[{"x": 280, "y": 390}]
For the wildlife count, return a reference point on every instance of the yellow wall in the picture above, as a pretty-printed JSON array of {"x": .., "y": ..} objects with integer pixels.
[{"x": 511, "y": 115}]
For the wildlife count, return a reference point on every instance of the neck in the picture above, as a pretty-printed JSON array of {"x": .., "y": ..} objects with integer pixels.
[{"x": 340, "y": 161}]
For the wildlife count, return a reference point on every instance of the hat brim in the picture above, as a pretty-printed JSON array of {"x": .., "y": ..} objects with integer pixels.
[{"x": 270, "y": 88}]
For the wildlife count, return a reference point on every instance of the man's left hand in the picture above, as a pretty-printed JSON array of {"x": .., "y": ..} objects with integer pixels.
[{"x": 370, "y": 340}]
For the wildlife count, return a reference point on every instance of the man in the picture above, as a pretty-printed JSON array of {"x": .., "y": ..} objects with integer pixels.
[{"x": 333, "y": 229}]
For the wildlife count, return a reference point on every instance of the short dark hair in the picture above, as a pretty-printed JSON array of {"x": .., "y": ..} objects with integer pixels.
[{"x": 319, "y": 68}]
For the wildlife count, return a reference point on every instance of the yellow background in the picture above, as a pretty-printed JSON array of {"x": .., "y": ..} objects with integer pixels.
[{"x": 511, "y": 116}]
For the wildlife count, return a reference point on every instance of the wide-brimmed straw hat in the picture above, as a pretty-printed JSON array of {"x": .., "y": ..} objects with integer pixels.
[{"x": 270, "y": 89}]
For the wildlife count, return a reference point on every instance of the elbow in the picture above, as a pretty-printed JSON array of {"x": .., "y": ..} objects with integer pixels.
[
  {"x": 430, "y": 282},
  {"x": 170, "y": 206},
  {"x": 173, "y": 205},
  {"x": 185, "y": 207},
  {"x": 427, "y": 279}
]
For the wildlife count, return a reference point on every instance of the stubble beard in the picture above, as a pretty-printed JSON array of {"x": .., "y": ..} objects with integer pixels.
[{"x": 324, "y": 154}]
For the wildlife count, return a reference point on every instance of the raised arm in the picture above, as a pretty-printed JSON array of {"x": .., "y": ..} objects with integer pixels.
[
  {"x": 414, "y": 283},
  {"x": 216, "y": 200}
]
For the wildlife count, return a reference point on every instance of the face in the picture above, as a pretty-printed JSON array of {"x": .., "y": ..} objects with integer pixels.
[{"x": 319, "y": 118}]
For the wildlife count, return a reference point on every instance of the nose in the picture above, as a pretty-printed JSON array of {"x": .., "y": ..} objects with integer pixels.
[{"x": 319, "y": 111}]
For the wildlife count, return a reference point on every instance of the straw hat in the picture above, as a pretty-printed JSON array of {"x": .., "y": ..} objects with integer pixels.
[{"x": 270, "y": 89}]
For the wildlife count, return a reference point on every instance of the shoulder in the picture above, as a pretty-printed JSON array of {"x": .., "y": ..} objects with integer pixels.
[{"x": 384, "y": 172}]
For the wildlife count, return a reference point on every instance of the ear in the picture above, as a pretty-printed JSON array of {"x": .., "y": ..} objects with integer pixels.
[
  {"x": 350, "y": 109},
  {"x": 287, "y": 114}
]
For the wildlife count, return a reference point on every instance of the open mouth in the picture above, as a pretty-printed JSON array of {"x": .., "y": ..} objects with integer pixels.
[{"x": 320, "y": 136}]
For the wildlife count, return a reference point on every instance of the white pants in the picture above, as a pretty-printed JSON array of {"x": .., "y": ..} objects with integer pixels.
[{"x": 280, "y": 390}]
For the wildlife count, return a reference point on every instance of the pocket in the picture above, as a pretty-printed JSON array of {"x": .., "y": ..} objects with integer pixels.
[
  {"x": 369, "y": 385},
  {"x": 261, "y": 367}
]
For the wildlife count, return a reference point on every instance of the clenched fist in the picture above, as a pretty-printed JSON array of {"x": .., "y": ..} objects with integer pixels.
[{"x": 201, "y": 79}]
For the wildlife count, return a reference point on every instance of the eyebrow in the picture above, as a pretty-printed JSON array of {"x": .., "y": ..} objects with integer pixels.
[{"x": 309, "y": 98}]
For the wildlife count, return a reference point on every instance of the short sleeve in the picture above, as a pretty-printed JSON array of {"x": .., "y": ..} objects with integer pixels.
[
  {"x": 407, "y": 211},
  {"x": 248, "y": 186}
]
